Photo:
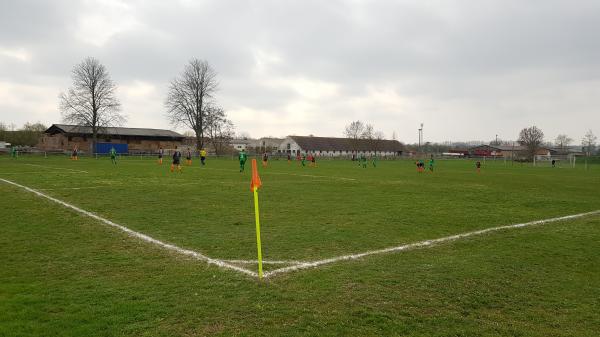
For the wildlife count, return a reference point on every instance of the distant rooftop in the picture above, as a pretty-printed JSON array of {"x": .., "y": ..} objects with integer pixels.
[
  {"x": 344, "y": 144},
  {"x": 113, "y": 131}
]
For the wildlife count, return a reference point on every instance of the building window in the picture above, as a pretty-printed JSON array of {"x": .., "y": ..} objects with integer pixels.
[
  {"x": 289, "y": 146},
  {"x": 69, "y": 138}
]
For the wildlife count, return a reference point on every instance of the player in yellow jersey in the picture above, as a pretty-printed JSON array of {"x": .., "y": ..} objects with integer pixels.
[{"x": 203, "y": 157}]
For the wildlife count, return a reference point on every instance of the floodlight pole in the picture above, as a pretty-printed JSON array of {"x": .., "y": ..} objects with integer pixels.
[
  {"x": 512, "y": 154},
  {"x": 420, "y": 136}
]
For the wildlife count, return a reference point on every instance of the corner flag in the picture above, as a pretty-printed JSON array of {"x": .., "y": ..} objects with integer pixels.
[{"x": 254, "y": 185}]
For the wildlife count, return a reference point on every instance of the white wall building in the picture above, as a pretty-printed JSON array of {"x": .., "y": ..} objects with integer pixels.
[
  {"x": 267, "y": 144},
  {"x": 336, "y": 147},
  {"x": 240, "y": 144}
]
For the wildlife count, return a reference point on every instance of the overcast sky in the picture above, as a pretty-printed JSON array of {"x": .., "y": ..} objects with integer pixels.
[{"x": 467, "y": 69}]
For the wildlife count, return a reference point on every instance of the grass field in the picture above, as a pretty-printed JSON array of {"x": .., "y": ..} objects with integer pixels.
[{"x": 66, "y": 274}]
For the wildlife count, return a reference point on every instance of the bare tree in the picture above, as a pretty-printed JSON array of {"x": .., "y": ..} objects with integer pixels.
[
  {"x": 34, "y": 127},
  {"x": 91, "y": 101},
  {"x": 589, "y": 142},
  {"x": 531, "y": 138},
  {"x": 562, "y": 141},
  {"x": 190, "y": 95},
  {"x": 354, "y": 131},
  {"x": 3, "y": 131},
  {"x": 219, "y": 129},
  {"x": 369, "y": 132},
  {"x": 378, "y": 138},
  {"x": 369, "y": 135},
  {"x": 243, "y": 135}
]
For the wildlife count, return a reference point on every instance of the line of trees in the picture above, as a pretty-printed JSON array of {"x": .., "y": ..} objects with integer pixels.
[
  {"x": 532, "y": 138},
  {"x": 91, "y": 101},
  {"x": 28, "y": 135}
]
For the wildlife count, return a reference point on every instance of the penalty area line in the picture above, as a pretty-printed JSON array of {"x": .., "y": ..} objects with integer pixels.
[
  {"x": 292, "y": 262},
  {"x": 420, "y": 244},
  {"x": 310, "y": 175},
  {"x": 58, "y": 168},
  {"x": 281, "y": 173},
  {"x": 138, "y": 235}
]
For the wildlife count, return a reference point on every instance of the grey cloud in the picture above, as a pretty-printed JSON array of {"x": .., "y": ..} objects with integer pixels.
[{"x": 504, "y": 63}]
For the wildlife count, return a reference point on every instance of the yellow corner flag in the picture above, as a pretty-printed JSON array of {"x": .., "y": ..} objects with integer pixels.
[{"x": 254, "y": 185}]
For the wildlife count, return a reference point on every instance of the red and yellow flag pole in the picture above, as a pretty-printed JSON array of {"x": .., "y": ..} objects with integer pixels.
[{"x": 254, "y": 185}]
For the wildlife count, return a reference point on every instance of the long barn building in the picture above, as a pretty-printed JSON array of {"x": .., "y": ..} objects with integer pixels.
[
  {"x": 62, "y": 137},
  {"x": 336, "y": 147}
]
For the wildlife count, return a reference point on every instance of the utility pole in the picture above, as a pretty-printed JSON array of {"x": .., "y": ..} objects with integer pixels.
[
  {"x": 420, "y": 136},
  {"x": 512, "y": 154}
]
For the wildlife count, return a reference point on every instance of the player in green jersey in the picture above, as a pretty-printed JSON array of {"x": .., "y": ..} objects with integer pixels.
[
  {"x": 113, "y": 155},
  {"x": 242, "y": 157}
]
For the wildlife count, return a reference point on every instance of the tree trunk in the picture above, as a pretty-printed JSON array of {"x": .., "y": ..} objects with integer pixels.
[
  {"x": 216, "y": 146},
  {"x": 199, "y": 144},
  {"x": 94, "y": 142}
]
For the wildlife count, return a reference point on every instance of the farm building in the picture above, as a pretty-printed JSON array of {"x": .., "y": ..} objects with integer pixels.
[
  {"x": 335, "y": 147},
  {"x": 457, "y": 152},
  {"x": 61, "y": 137},
  {"x": 240, "y": 144},
  {"x": 505, "y": 151},
  {"x": 486, "y": 151}
]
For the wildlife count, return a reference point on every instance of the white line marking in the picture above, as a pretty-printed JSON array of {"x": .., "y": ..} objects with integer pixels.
[
  {"x": 280, "y": 173},
  {"x": 425, "y": 243},
  {"x": 58, "y": 168},
  {"x": 265, "y": 262},
  {"x": 35, "y": 172},
  {"x": 308, "y": 175},
  {"x": 70, "y": 188},
  {"x": 139, "y": 235}
]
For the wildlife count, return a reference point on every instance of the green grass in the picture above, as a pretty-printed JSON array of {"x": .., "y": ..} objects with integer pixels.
[{"x": 64, "y": 274}]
